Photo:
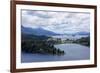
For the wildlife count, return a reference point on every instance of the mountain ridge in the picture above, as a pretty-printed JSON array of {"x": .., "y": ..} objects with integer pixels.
[
  {"x": 41, "y": 31},
  {"x": 36, "y": 31}
]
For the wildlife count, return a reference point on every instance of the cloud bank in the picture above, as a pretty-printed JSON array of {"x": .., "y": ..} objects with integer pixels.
[{"x": 57, "y": 21}]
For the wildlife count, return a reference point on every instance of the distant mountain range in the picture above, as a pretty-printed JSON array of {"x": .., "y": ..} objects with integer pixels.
[
  {"x": 36, "y": 31},
  {"x": 83, "y": 33},
  {"x": 41, "y": 31}
]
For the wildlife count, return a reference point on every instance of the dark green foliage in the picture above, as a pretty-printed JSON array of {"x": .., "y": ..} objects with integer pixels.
[
  {"x": 39, "y": 44},
  {"x": 84, "y": 41}
]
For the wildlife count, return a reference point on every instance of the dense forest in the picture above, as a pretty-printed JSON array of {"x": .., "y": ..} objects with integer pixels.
[
  {"x": 83, "y": 41},
  {"x": 39, "y": 44},
  {"x": 45, "y": 45}
]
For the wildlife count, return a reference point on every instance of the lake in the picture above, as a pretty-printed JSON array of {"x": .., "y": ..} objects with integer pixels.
[{"x": 72, "y": 52}]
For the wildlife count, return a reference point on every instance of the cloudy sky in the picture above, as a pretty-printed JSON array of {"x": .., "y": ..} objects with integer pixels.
[{"x": 57, "y": 21}]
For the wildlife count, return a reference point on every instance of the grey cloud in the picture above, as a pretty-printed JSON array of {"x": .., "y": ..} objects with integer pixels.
[{"x": 57, "y": 21}]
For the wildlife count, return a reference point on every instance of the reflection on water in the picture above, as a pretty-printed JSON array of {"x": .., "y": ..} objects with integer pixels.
[{"x": 72, "y": 52}]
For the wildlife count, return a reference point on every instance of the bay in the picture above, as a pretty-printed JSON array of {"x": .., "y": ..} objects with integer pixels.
[{"x": 72, "y": 52}]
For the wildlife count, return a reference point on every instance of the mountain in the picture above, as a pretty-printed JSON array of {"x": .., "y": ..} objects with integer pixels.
[
  {"x": 79, "y": 33},
  {"x": 36, "y": 31},
  {"x": 41, "y": 31},
  {"x": 33, "y": 37},
  {"x": 83, "y": 33}
]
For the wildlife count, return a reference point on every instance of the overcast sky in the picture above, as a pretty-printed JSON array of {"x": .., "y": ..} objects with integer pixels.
[{"x": 59, "y": 22}]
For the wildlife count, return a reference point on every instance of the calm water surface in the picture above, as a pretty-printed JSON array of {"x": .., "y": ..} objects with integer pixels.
[{"x": 72, "y": 52}]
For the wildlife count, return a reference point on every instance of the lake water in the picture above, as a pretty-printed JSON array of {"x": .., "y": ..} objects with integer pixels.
[{"x": 72, "y": 52}]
